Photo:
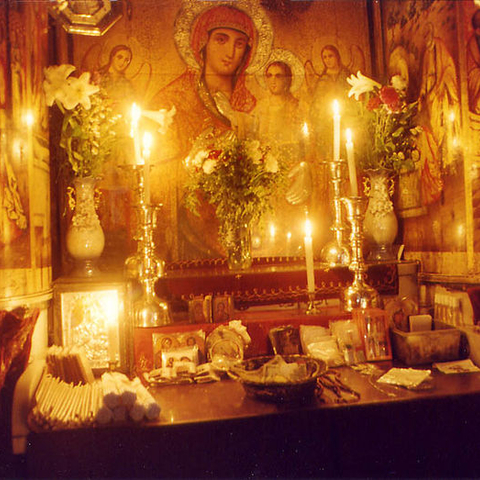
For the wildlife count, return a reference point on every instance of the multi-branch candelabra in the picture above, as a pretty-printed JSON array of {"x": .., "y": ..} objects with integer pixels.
[
  {"x": 359, "y": 294},
  {"x": 336, "y": 252},
  {"x": 144, "y": 266}
]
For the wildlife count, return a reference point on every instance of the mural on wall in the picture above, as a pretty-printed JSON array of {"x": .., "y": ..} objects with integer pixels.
[
  {"x": 472, "y": 39},
  {"x": 422, "y": 46},
  {"x": 275, "y": 76},
  {"x": 24, "y": 156}
]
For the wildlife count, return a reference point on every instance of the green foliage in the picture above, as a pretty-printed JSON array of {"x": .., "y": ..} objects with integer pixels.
[
  {"x": 237, "y": 177},
  {"x": 385, "y": 130},
  {"x": 88, "y": 136}
]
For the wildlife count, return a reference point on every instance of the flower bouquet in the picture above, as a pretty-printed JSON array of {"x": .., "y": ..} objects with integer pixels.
[
  {"x": 239, "y": 178},
  {"x": 88, "y": 129},
  {"x": 386, "y": 128}
]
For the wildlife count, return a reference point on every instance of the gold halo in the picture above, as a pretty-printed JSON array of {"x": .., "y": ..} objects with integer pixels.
[
  {"x": 288, "y": 57},
  {"x": 191, "y": 9}
]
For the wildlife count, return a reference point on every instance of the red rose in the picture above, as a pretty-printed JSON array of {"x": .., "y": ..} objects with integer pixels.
[
  {"x": 390, "y": 98},
  {"x": 214, "y": 154},
  {"x": 374, "y": 103}
]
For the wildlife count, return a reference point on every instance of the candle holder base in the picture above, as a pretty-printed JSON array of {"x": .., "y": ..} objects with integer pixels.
[
  {"x": 312, "y": 308},
  {"x": 360, "y": 295},
  {"x": 112, "y": 365},
  {"x": 151, "y": 312}
]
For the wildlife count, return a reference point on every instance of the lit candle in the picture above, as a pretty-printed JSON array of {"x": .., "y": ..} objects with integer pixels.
[
  {"x": 309, "y": 257},
  {"x": 147, "y": 145},
  {"x": 336, "y": 131},
  {"x": 136, "y": 113},
  {"x": 352, "y": 170}
]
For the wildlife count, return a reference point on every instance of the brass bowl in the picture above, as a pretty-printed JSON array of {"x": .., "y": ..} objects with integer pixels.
[{"x": 280, "y": 392}]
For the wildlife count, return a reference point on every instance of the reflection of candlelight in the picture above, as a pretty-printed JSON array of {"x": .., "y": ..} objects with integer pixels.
[
  {"x": 147, "y": 145},
  {"x": 110, "y": 308},
  {"x": 309, "y": 256},
  {"x": 289, "y": 241},
  {"x": 352, "y": 171},
  {"x": 136, "y": 113},
  {"x": 336, "y": 131},
  {"x": 305, "y": 130},
  {"x": 28, "y": 118}
]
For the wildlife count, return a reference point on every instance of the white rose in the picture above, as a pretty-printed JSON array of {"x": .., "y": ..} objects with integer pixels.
[
  {"x": 252, "y": 149},
  {"x": 209, "y": 166},
  {"x": 199, "y": 158},
  {"x": 271, "y": 164},
  {"x": 399, "y": 83}
]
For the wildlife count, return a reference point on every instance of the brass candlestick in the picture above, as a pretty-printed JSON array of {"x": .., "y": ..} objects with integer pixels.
[
  {"x": 145, "y": 266},
  {"x": 336, "y": 252},
  {"x": 359, "y": 294}
]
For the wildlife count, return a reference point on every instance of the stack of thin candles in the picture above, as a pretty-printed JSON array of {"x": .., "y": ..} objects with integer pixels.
[{"x": 61, "y": 405}]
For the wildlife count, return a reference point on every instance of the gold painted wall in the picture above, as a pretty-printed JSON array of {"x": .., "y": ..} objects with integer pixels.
[{"x": 25, "y": 236}]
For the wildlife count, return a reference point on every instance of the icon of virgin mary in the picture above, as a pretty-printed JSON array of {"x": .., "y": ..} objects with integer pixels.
[{"x": 220, "y": 45}]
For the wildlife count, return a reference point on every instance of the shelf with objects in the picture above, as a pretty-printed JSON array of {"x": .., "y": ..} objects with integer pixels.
[{"x": 229, "y": 433}]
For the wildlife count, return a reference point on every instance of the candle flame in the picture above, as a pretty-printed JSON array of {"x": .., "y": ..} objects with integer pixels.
[
  {"x": 336, "y": 107},
  {"x": 348, "y": 135},
  {"x": 452, "y": 116}
]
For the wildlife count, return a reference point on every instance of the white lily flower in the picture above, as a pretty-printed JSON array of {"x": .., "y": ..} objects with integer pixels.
[
  {"x": 361, "y": 84},
  {"x": 399, "y": 83},
  {"x": 209, "y": 166},
  {"x": 252, "y": 149},
  {"x": 79, "y": 91},
  {"x": 163, "y": 117},
  {"x": 55, "y": 82},
  {"x": 271, "y": 163}
]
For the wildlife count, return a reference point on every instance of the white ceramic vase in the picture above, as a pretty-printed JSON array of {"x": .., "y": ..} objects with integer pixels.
[
  {"x": 380, "y": 225},
  {"x": 85, "y": 239}
]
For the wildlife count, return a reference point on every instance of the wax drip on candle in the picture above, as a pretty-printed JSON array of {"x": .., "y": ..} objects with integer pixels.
[{"x": 352, "y": 170}]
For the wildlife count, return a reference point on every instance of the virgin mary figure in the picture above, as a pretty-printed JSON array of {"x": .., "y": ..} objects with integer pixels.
[{"x": 220, "y": 45}]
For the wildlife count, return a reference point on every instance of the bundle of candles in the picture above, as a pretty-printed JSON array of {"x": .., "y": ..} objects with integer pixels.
[
  {"x": 69, "y": 364},
  {"x": 113, "y": 398}
]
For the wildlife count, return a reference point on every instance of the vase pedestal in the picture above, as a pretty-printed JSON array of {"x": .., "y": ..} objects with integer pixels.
[
  {"x": 85, "y": 239},
  {"x": 380, "y": 224}
]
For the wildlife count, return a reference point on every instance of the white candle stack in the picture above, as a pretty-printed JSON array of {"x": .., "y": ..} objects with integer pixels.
[
  {"x": 60, "y": 405},
  {"x": 113, "y": 398}
]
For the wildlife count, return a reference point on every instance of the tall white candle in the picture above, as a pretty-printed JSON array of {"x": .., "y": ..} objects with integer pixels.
[
  {"x": 136, "y": 113},
  {"x": 147, "y": 145},
  {"x": 336, "y": 131},
  {"x": 309, "y": 257},
  {"x": 352, "y": 170}
]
